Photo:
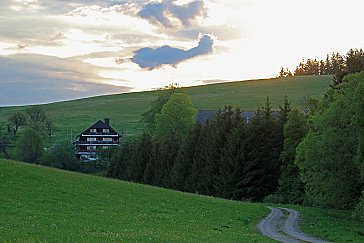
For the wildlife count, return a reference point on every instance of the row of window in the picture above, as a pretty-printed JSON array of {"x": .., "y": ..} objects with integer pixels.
[
  {"x": 103, "y": 130},
  {"x": 90, "y": 148},
  {"x": 103, "y": 139}
]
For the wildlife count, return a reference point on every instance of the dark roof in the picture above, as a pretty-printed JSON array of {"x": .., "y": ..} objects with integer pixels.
[
  {"x": 204, "y": 115},
  {"x": 100, "y": 125}
]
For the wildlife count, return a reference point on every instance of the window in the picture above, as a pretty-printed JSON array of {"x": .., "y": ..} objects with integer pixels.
[
  {"x": 107, "y": 139},
  {"x": 91, "y": 139},
  {"x": 105, "y": 130},
  {"x": 93, "y": 130}
]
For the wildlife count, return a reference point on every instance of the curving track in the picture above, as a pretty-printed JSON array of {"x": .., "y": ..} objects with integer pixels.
[{"x": 282, "y": 225}]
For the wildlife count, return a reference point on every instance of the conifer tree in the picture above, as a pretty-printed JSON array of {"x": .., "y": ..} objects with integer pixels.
[
  {"x": 140, "y": 158},
  {"x": 233, "y": 160},
  {"x": 181, "y": 172}
]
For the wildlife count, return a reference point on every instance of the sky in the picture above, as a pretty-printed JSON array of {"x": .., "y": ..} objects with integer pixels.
[{"x": 66, "y": 49}]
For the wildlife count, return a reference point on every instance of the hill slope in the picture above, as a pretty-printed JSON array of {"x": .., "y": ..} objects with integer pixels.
[
  {"x": 124, "y": 109},
  {"x": 44, "y": 204}
]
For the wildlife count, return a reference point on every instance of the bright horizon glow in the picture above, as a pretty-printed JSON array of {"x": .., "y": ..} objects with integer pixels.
[{"x": 93, "y": 43}]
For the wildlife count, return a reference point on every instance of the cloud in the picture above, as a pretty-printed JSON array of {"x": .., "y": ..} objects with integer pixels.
[
  {"x": 29, "y": 79},
  {"x": 166, "y": 12},
  {"x": 152, "y": 58}
]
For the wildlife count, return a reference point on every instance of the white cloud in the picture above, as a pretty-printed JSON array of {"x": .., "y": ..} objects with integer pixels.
[{"x": 254, "y": 38}]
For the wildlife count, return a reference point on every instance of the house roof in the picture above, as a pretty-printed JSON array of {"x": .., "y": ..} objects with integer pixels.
[
  {"x": 100, "y": 125},
  {"x": 204, "y": 115}
]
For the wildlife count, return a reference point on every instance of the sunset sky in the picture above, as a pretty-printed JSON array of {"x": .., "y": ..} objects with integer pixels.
[{"x": 65, "y": 49}]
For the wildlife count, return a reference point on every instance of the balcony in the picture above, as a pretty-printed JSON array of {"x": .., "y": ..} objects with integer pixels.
[
  {"x": 104, "y": 134},
  {"x": 98, "y": 142}
]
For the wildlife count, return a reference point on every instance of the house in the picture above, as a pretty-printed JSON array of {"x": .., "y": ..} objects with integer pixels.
[{"x": 95, "y": 138}]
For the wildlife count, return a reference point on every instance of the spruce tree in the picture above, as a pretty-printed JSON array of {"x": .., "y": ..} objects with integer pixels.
[{"x": 181, "y": 172}]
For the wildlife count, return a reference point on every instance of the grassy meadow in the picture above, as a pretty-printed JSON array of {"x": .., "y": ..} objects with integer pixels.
[
  {"x": 329, "y": 224},
  {"x": 124, "y": 109},
  {"x": 44, "y": 204},
  {"x": 40, "y": 204}
]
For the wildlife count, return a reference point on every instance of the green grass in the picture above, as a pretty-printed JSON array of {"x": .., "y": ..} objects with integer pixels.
[
  {"x": 44, "y": 204},
  {"x": 333, "y": 225},
  {"x": 124, "y": 109}
]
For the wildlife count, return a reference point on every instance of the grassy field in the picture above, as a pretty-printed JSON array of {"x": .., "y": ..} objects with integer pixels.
[
  {"x": 43, "y": 204},
  {"x": 124, "y": 109},
  {"x": 333, "y": 225}
]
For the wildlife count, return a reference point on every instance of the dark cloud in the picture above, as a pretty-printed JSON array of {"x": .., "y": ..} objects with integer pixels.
[
  {"x": 164, "y": 12},
  {"x": 152, "y": 58},
  {"x": 35, "y": 79}
]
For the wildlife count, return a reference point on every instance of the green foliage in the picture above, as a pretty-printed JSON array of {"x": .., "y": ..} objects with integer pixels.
[
  {"x": 181, "y": 172},
  {"x": 359, "y": 210},
  {"x": 359, "y": 122},
  {"x": 290, "y": 187},
  {"x": 15, "y": 121},
  {"x": 148, "y": 117},
  {"x": 62, "y": 157},
  {"x": 139, "y": 158},
  {"x": 276, "y": 199},
  {"x": 4, "y": 144},
  {"x": 177, "y": 116},
  {"x": 37, "y": 118},
  {"x": 327, "y": 155},
  {"x": 264, "y": 148},
  {"x": 336, "y": 65},
  {"x": 226, "y": 157},
  {"x": 30, "y": 145}
]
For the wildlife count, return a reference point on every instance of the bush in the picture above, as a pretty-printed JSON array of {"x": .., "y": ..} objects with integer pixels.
[
  {"x": 273, "y": 199},
  {"x": 359, "y": 211},
  {"x": 61, "y": 157}
]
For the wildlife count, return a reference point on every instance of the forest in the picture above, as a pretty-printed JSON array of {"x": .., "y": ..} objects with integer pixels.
[{"x": 312, "y": 157}]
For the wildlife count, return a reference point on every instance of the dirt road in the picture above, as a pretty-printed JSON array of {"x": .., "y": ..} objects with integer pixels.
[{"x": 282, "y": 225}]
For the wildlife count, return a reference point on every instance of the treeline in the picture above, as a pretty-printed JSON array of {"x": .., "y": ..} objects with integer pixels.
[
  {"x": 27, "y": 136},
  {"x": 226, "y": 157},
  {"x": 335, "y": 64},
  {"x": 314, "y": 158}
]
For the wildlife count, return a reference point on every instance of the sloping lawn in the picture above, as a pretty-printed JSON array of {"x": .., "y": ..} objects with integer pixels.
[{"x": 43, "y": 204}]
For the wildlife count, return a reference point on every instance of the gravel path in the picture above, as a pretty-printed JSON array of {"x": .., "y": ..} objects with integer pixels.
[{"x": 282, "y": 225}]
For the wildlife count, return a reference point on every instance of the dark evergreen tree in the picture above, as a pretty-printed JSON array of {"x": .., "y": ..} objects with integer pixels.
[
  {"x": 354, "y": 61},
  {"x": 152, "y": 175},
  {"x": 263, "y": 156},
  {"x": 181, "y": 172},
  {"x": 233, "y": 161},
  {"x": 140, "y": 158},
  {"x": 120, "y": 161}
]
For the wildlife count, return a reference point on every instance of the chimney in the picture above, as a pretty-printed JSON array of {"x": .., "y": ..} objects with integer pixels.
[{"x": 107, "y": 121}]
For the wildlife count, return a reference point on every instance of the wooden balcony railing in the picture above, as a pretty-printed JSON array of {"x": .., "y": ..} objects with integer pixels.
[{"x": 96, "y": 142}]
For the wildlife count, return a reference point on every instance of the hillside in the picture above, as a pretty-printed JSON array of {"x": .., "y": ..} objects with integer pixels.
[
  {"x": 124, "y": 109},
  {"x": 44, "y": 204}
]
